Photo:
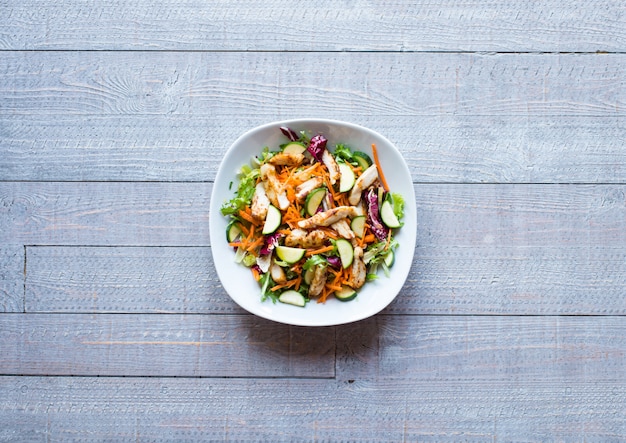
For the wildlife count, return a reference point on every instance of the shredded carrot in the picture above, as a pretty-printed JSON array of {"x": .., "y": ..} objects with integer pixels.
[
  {"x": 255, "y": 244},
  {"x": 246, "y": 215},
  {"x": 287, "y": 284},
  {"x": 311, "y": 252},
  {"x": 380, "y": 170},
  {"x": 255, "y": 274},
  {"x": 333, "y": 287},
  {"x": 369, "y": 238}
]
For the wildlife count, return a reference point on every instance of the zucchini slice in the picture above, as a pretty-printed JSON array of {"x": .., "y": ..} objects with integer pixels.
[
  {"x": 389, "y": 258},
  {"x": 388, "y": 216},
  {"x": 292, "y": 297},
  {"x": 294, "y": 148},
  {"x": 289, "y": 255},
  {"x": 314, "y": 200},
  {"x": 347, "y": 177},
  {"x": 233, "y": 231},
  {"x": 362, "y": 159},
  {"x": 272, "y": 220},
  {"x": 346, "y": 293},
  {"x": 346, "y": 252},
  {"x": 358, "y": 225}
]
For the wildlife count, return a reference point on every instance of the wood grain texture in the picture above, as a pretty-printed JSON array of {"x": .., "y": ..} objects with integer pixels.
[
  {"x": 442, "y": 148},
  {"x": 311, "y": 84},
  {"x": 163, "y": 345},
  {"x": 183, "y": 409},
  {"x": 105, "y": 213},
  {"x": 489, "y": 348},
  {"x": 545, "y": 26},
  {"x": 481, "y": 279},
  {"x": 12, "y": 272},
  {"x": 122, "y": 279}
]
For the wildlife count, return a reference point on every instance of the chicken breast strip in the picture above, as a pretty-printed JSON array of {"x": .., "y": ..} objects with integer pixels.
[
  {"x": 286, "y": 159},
  {"x": 329, "y": 217},
  {"x": 306, "y": 239},
  {"x": 305, "y": 188},
  {"x": 332, "y": 166},
  {"x": 359, "y": 271},
  {"x": 260, "y": 202},
  {"x": 343, "y": 229},
  {"x": 318, "y": 281},
  {"x": 364, "y": 181},
  {"x": 273, "y": 186}
]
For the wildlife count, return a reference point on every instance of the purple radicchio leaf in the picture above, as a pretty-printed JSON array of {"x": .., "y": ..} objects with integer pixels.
[
  {"x": 289, "y": 133},
  {"x": 376, "y": 224},
  {"x": 317, "y": 146},
  {"x": 270, "y": 242},
  {"x": 334, "y": 261}
]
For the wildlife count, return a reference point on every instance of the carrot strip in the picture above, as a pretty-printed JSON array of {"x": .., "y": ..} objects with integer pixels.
[
  {"x": 380, "y": 170},
  {"x": 311, "y": 252},
  {"x": 333, "y": 287},
  {"x": 248, "y": 217},
  {"x": 258, "y": 242},
  {"x": 287, "y": 284},
  {"x": 255, "y": 274}
]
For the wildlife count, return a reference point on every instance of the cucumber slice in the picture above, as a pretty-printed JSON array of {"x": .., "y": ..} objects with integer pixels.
[
  {"x": 294, "y": 148},
  {"x": 314, "y": 200},
  {"x": 346, "y": 252},
  {"x": 345, "y": 294},
  {"x": 387, "y": 215},
  {"x": 289, "y": 255},
  {"x": 347, "y": 178},
  {"x": 233, "y": 231},
  {"x": 292, "y": 297},
  {"x": 358, "y": 225},
  {"x": 272, "y": 220},
  {"x": 248, "y": 260},
  {"x": 389, "y": 258},
  {"x": 362, "y": 159},
  {"x": 308, "y": 275}
]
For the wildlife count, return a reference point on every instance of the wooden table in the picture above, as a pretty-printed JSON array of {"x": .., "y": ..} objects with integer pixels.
[{"x": 113, "y": 121}]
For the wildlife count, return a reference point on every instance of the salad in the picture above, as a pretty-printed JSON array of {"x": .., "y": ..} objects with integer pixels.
[{"x": 311, "y": 223}]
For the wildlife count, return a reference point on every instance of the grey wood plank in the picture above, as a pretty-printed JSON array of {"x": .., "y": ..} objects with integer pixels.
[
  {"x": 291, "y": 84},
  {"x": 478, "y": 279},
  {"x": 122, "y": 279},
  {"x": 183, "y": 409},
  {"x": 12, "y": 275},
  {"x": 162, "y": 345},
  {"x": 176, "y": 214},
  {"x": 488, "y": 348},
  {"x": 443, "y": 148},
  {"x": 105, "y": 213},
  {"x": 546, "y": 25}
]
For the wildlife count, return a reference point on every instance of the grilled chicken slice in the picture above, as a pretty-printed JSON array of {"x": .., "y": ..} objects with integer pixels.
[
  {"x": 327, "y": 218},
  {"x": 343, "y": 229},
  {"x": 260, "y": 202},
  {"x": 305, "y": 188},
  {"x": 287, "y": 159},
  {"x": 273, "y": 187},
  {"x": 364, "y": 181},
  {"x": 359, "y": 271},
  {"x": 300, "y": 238},
  {"x": 332, "y": 166},
  {"x": 318, "y": 281},
  {"x": 277, "y": 273}
]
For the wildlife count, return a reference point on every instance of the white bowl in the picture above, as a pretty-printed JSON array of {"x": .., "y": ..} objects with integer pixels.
[{"x": 237, "y": 279}]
